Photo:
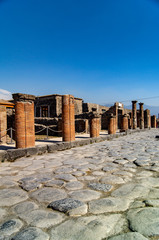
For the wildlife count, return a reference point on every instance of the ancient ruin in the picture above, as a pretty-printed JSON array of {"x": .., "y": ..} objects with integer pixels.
[{"x": 65, "y": 116}]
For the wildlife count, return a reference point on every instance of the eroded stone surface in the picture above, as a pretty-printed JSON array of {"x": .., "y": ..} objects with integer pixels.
[
  {"x": 89, "y": 228},
  {"x": 31, "y": 233},
  {"x": 85, "y": 195},
  {"x": 24, "y": 207},
  {"x": 100, "y": 186},
  {"x": 9, "y": 197},
  {"x": 109, "y": 204},
  {"x": 47, "y": 195},
  {"x": 9, "y": 227},
  {"x": 129, "y": 236},
  {"x": 42, "y": 218},
  {"x": 70, "y": 206},
  {"x": 131, "y": 191},
  {"x": 144, "y": 221}
]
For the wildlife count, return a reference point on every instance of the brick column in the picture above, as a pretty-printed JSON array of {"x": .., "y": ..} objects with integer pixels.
[
  {"x": 68, "y": 118},
  {"x": 153, "y": 121},
  {"x": 134, "y": 115},
  {"x": 24, "y": 120},
  {"x": 124, "y": 123},
  {"x": 112, "y": 125},
  {"x": 3, "y": 124},
  {"x": 94, "y": 125},
  {"x": 141, "y": 116},
  {"x": 147, "y": 118}
]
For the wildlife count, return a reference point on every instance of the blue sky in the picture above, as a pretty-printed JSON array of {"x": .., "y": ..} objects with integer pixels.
[{"x": 102, "y": 51}]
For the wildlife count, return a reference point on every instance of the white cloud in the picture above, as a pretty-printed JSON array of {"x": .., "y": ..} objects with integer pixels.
[{"x": 6, "y": 95}]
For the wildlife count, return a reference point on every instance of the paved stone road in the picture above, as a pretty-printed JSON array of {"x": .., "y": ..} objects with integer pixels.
[{"x": 107, "y": 190}]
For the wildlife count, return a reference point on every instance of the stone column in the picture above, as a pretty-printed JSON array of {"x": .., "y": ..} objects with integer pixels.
[
  {"x": 141, "y": 116},
  {"x": 124, "y": 123},
  {"x": 134, "y": 115},
  {"x": 68, "y": 118},
  {"x": 94, "y": 125},
  {"x": 3, "y": 124},
  {"x": 112, "y": 125},
  {"x": 153, "y": 121},
  {"x": 147, "y": 118},
  {"x": 24, "y": 120},
  {"x": 116, "y": 114},
  {"x": 86, "y": 125}
]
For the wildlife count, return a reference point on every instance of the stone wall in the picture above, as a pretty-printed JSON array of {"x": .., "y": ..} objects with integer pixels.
[
  {"x": 53, "y": 103},
  {"x": 92, "y": 107}
]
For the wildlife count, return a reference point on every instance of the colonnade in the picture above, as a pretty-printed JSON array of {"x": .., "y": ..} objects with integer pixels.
[{"x": 24, "y": 120}]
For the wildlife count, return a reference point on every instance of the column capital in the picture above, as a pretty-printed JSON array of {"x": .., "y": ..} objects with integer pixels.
[
  {"x": 20, "y": 97},
  {"x": 141, "y": 104},
  {"x": 134, "y": 101}
]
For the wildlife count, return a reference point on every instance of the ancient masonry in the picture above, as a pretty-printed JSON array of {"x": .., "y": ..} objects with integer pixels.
[{"x": 67, "y": 115}]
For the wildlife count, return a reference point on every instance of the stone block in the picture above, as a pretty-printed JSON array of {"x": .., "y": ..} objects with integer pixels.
[
  {"x": 75, "y": 144},
  {"x": 3, "y": 155},
  {"x": 52, "y": 148},
  {"x": 84, "y": 142},
  {"x": 41, "y": 149},
  {"x": 13, "y": 154},
  {"x": 31, "y": 151}
]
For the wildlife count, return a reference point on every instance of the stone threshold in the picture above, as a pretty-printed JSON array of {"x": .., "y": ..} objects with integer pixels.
[{"x": 12, "y": 154}]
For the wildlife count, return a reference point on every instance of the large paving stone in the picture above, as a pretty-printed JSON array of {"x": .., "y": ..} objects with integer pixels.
[
  {"x": 89, "y": 228},
  {"x": 110, "y": 204},
  {"x": 73, "y": 185},
  {"x": 24, "y": 207},
  {"x": 112, "y": 179},
  {"x": 3, "y": 213},
  {"x": 131, "y": 191},
  {"x": 9, "y": 197},
  {"x": 42, "y": 218},
  {"x": 48, "y": 195},
  {"x": 68, "y": 205},
  {"x": 150, "y": 181},
  {"x": 100, "y": 187},
  {"x": 65, "y": 177},
  {"x": 84, "y": 195},
  {"x": 129, "y": 236},
  {"x": 54, "y": 183},
  {"x": 152, "y": 203},
  {"x": 144, "y": 221},
  {"x": 9, "y": 227},
  {"x": 31, "y": 233}
]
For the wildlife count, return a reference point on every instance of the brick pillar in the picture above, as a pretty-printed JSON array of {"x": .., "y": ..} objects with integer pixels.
[
  {"x": 94, "y": 125},
  {"x": 141, "y": 116},
  {"x": 3, "y": 124},
  {"x": 134, "y": 115},
  {"x": 124, "y": 123},
  {"x": 147, "y": 118},
  {"x": 112, "y": 125},
  {"x": 24, "y": 120},
  {"x": 68, "y": 118},
  {"x": 153, "y": 121}
]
